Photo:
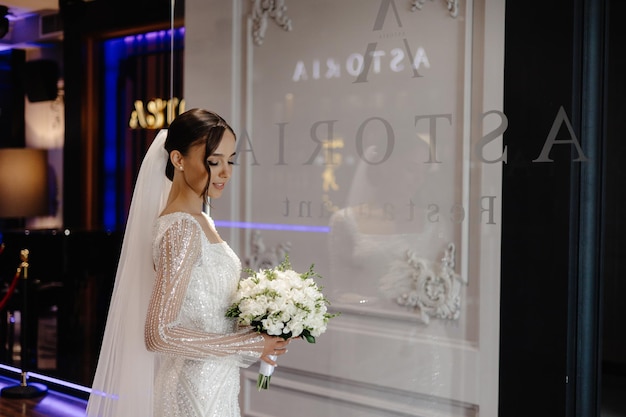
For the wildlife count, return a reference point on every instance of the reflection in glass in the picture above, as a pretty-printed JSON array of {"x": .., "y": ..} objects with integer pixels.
[{"x": 388, "y": 247}]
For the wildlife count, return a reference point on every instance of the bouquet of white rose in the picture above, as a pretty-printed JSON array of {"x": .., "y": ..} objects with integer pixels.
[{"x": 281, "y": 302}]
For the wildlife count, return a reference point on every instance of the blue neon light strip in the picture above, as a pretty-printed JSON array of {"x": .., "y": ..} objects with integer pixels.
[
  {"x": 113, "y": 52},
  {"x": 271, "y": 226},
  {"x": 116, "y": 50},
  {"x": 48, "y": 379}
]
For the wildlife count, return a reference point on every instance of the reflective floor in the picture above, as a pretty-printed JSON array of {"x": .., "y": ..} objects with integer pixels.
[
  {"x": 56, "y": 404},
  {"x": 51, "y": 404}
]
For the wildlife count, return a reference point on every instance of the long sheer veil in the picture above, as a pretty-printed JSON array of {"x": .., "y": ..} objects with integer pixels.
[{"x": 124, "y": 376}]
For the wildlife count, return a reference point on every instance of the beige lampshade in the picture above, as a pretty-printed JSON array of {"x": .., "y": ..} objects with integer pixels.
[{"x": 23, "y": 182}]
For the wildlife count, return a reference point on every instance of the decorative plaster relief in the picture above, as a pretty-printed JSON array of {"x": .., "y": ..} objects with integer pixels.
[
  {"x": 429, "y": 289},
  {"x": 264, "y": 9},
  {"x": 262, "y": 257},
  {"x": 453, "y": 6}
]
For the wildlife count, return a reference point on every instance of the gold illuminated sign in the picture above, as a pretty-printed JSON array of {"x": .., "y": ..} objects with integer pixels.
[
  {"x": 332, "y": 161},
  {"x": 156, "y": 114}
]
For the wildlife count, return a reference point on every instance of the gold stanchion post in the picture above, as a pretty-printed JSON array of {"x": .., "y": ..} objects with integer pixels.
[{"x": 24, "y": 389}]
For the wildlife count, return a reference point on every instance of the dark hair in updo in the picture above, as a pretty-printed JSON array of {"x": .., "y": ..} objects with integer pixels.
[{"x": 191, "y": 128}]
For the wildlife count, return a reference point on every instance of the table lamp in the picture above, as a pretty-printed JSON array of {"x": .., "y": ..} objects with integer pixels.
[{"x": 23, "y": 182}]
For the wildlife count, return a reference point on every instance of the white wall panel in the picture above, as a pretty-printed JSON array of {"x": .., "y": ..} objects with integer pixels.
[{"x": 359, "y": 172}]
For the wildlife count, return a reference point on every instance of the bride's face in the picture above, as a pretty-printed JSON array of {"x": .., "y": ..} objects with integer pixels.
[
  {"x": 221, "y": 163},
  {"x": 193, "y": 167}
]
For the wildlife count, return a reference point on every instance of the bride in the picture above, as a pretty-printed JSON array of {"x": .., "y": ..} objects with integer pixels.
[{"x": 168, "y": 349}]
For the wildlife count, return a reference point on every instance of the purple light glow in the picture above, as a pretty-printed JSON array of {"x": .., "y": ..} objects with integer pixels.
[
  {"x": 69, "y": 406},
  {"x": 152, "y": 36},
  {"x": 271, "y": 226}
]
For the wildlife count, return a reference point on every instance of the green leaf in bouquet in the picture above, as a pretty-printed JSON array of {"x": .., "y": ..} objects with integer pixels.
[
  {"x": 285, "y": 265},
  {"x": 310, "y": 273},
  {"x": 306, "y": 335},
  {"x": 233, "y": 311}
]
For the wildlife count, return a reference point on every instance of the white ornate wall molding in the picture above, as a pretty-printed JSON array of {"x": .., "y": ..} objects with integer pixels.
[
  {"x": 429, "y": 289},
  {"x": 453, "y": 6},
  {"x": 262, "y": 11},
  {"x": 262, "y": 257}
]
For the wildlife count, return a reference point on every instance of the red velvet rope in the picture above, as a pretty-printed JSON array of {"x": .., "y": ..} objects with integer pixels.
[
  {"x": 11, "y": 288},
  {"x": 13, "y": 283}
]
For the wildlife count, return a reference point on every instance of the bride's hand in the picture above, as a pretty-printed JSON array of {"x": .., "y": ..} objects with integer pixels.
[{"x": 274, "y": 345}]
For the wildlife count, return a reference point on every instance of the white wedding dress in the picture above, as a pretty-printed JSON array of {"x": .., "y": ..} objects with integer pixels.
[
  {"x": 172, "y": 289},
  {"x": 199, "y": 350}
]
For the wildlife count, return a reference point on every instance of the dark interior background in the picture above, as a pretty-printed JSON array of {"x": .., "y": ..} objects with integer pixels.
[{"x": 563, "y": 346}]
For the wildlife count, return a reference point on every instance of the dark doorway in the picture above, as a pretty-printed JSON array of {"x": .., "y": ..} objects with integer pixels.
[{"x": 613, "y": 375}]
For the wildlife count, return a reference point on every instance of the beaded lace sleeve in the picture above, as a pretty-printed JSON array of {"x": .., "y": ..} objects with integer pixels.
[{"x": 180, "y": 248}]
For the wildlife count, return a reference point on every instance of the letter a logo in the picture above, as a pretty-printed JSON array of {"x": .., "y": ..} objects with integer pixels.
[
  {"x": 371, "y": 47},
  {"x": 382, "y": 14}
]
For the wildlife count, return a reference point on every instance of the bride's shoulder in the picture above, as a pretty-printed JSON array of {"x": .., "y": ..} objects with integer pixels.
[
  {"x": 174, "y": 216},
  {"x": 177, "y": 220}
]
